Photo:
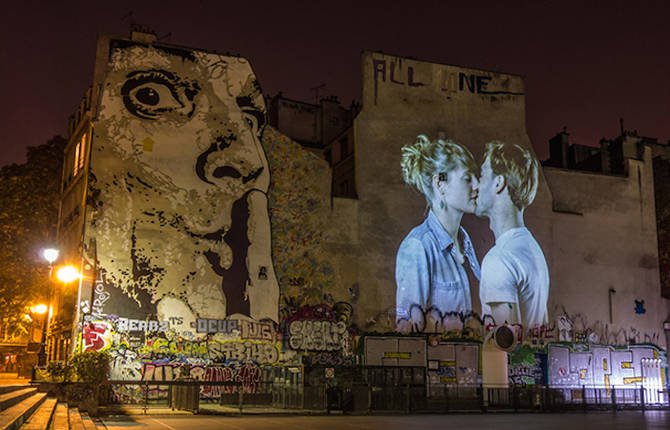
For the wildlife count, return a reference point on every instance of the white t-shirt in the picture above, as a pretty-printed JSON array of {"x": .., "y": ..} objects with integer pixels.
[{"x": 515, "y": 271}]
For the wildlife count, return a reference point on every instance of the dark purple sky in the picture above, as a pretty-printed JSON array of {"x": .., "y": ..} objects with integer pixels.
[{"x": 585, "y": 66}]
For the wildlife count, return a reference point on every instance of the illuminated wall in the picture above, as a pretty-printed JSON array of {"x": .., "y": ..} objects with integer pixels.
[
  {"x": 573, "y": 217},
  {"x": 203, "y": 227},
  {"x": 403, "y": 98},
  {"x": 605, "y": 367}
]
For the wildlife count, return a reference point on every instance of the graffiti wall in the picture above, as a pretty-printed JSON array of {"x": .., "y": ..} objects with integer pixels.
[
  {"x": 604, "y": 366},
  {"x": 210, "y": 252}
]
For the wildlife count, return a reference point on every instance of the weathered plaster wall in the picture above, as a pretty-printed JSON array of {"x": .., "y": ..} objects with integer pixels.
[{"x": 607, "y": 242}]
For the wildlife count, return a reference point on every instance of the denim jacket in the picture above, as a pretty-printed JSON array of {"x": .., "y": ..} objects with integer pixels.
[{"x": 427, "y": 273}]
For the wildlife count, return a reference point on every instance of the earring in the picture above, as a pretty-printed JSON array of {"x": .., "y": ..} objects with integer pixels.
[{"x": 441, "y": 204}]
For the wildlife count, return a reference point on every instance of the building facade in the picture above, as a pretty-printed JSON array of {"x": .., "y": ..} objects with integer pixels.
[{"x": 209, "y": 238}]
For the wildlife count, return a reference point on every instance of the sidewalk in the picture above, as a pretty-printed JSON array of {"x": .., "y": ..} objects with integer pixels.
[
  {"x": 12, "y": 379},
  {"x": 205, "y": 409}
]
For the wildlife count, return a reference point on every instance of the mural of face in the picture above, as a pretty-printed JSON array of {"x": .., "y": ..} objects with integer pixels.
[{"x": 179, "y": 181}]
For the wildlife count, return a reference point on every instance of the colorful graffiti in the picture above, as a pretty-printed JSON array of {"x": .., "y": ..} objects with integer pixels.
[
  {"x": 321, "y": 334},
  {"x": 100, "y": 296},
  {"x": 527, "y": 366},
  {"x": 452, "y": 363},
  {"x": 310, "y": 335},
  {"x": 129, "y": 324},
  {"x": 603, "y": 366},
  {"x": 577, "y": 328},
  {"x": 245, "y": 329},
  {"x": 452, "y": 324},
  {"x": 96, "y": 336},
  {"x": 210, "y": 351},
  {"x": 242, "y": 376}
]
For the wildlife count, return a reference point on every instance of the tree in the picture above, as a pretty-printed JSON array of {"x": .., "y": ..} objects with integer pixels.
[{"x": 29, "y": 201}]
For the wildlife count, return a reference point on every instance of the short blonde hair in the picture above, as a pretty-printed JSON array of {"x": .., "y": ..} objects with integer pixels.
[
  {"x": 519, "y": 167},
  {"x": 425, "y": 159}
]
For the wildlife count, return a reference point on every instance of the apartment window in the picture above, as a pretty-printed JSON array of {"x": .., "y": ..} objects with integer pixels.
[
  {"x": 79, "y": 155},
  {"x": 82, "y": 151},
  {"x": 344, "y": 188},
  {"x": 76, "y": 159}
]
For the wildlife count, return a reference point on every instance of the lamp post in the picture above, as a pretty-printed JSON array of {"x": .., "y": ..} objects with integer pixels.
[{"x": 50, "y": 255}]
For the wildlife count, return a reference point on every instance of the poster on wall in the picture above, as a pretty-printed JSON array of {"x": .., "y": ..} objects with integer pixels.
[{"x": 438, "y": 273}]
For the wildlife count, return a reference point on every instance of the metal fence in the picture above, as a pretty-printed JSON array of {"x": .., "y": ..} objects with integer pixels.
[
  {"x": 368, "y": 398},
  {"x": 615, "y": 398}
]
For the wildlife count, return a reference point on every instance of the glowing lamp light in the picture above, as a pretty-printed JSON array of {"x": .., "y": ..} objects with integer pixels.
[
  {"x": 39, "y": 309},
  {"x": 50, "y": 255},
  {"x": 27, "y": 317},
  {"x": 68, "y": 274}
]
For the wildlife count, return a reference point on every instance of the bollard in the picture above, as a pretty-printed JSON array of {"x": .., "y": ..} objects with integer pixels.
[
  {"x": 446, "y": 398},
  {"x": 146, "y": 397},
  {"x": 614, "y": 398},
  {"x": 408, "y": 404},
  {"x": 170, "y": 394},
  {"x": 642, "y": 405},
  {"x": 515, "y": 398},
  {"x": 584, "y": 397}
]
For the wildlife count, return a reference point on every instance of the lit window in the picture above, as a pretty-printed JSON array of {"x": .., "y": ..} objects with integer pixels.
[
  {"x": 79, "y": 151},
  {"x": 76, "y": 159},
  {"x": 82, "y": 151}
]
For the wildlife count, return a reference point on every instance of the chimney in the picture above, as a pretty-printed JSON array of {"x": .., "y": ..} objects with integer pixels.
[
  {"x": 558, "y": 149},
  {"x": 142, "y": 35}
]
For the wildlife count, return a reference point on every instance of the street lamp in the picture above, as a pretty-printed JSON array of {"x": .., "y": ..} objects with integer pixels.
[
  {"x": 50, "y": 255},
  {"x": 39, "y": 309},
  {"x": 67, "y": 274}
]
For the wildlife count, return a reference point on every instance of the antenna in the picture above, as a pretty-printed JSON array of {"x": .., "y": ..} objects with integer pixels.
[{"x": 316, "y": 91}]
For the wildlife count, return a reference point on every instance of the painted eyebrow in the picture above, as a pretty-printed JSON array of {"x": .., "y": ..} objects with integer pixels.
[{"x": 251, "y": 108}]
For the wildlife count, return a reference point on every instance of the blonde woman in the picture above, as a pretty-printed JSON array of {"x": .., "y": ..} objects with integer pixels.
[{"x": 436, "y": 262}]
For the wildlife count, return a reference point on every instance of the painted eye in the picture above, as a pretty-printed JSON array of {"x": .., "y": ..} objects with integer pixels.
[
  {"x": 255, "y": 119},
  {"x": 149, "y": 99},
  {"x": 252, "y": 121},
  {"x": 150, "y": 94}
]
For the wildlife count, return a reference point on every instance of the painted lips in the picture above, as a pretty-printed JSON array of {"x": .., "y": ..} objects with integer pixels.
[{"x": 231, "y": 172}]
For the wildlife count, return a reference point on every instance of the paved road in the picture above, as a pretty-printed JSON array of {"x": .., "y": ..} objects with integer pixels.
[{"x": 632, "y": 420}]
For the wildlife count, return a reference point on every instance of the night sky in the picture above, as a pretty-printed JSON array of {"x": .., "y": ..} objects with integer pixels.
[{"x": 585, "y": 67}]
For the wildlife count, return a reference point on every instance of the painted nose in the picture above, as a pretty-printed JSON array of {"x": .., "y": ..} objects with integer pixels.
[{"x": 226, "y": 158}]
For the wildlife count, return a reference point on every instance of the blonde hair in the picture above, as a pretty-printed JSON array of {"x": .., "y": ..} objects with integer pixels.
[
  {"x": 425, "y": 159},
  {"x": 519, "y": 167}
]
